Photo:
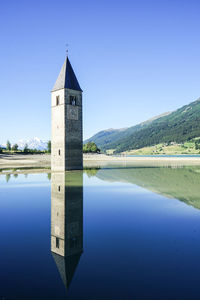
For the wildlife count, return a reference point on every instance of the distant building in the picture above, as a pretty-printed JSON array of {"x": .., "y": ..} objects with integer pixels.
[
  {"x": 66, "y": 109},
  {"x": 67, "y": 222}
]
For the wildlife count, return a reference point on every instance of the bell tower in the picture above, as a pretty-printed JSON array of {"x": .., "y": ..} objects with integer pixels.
[{"x": 66, "y": 115}]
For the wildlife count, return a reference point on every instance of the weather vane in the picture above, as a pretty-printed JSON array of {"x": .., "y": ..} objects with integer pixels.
[{"x": 67, "y": 49}]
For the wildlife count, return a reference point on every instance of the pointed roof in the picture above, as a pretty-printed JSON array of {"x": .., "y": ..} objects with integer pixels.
[
  {"x": 67, "y": 78},
  {"x": 66, "y": 266}
]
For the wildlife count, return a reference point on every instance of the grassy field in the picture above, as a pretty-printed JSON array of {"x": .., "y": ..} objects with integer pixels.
[{"x": 164, "y": 149}]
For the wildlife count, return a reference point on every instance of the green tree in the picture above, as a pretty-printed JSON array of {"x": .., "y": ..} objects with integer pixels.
[
  {"x": 94, "y": 148},
  {"x": 197, "y": 146},
  {"x": 90, "y": 147},
  {"x": 26, "y": 148},
  {"x": 91, "y": 171},
  {"x": 1, "y": 150},
  {"x": 8, "y": 146},
  {"x": 49, "y": 147},
  {"x": 8, "y": 177},
  {"x": 15, "y": 147}
]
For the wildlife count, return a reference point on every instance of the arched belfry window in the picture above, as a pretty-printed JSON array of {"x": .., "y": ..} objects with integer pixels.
[
  {"x": 73, "y": 100},
  {"x": 57, "y": 100}
]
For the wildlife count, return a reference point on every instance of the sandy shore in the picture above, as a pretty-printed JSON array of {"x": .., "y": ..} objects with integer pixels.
[
  {"x": 28, "y": 161},
  {"x": 41, "y": 162}
]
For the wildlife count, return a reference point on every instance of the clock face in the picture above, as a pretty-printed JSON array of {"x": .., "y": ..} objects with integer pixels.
[{"x": 72, "y": 112}]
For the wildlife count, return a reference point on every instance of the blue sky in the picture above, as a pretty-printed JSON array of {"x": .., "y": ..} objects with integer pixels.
[{"x": 133, "y": 60}]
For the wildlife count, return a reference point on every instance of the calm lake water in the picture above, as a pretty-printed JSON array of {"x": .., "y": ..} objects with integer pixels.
[
  {"x": 164, "y": 155},
  {"x": 112, "y": 233}
]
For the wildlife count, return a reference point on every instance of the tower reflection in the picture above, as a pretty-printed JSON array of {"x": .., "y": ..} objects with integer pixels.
[{"x": 67, "y": 222}]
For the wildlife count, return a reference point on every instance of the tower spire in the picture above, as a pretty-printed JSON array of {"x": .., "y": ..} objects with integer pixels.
[
  {"x": 67, "y": 78},
  {"x": 67, "y": 132}
]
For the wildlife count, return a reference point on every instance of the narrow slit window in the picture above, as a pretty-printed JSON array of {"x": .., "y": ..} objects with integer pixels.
[
  {"x": 57, "y": 242},
  {"x": 57, "y": 100},
  {"x": 59, "y": 152},
  {"x": 59, "y": 188}
]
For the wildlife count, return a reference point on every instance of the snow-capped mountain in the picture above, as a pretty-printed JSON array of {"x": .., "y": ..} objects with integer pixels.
[{"x": 34, "y": 143}]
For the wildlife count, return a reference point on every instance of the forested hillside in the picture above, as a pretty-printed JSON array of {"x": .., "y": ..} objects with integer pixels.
[{"x": 178, "y": 126}]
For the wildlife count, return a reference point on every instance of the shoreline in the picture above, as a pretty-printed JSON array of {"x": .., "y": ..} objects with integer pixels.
[{"x": 35, "y": 163}]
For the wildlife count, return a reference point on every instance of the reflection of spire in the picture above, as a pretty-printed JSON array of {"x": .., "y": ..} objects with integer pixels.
[
  {"x": 67, "y": 222},
  {"x": 66, "y": 266}
]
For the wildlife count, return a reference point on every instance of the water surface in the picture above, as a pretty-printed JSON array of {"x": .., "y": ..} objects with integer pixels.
[{"x": 112, "y": 233}]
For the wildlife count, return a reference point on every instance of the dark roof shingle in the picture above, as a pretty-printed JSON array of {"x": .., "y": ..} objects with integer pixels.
[{"x": 67, "y": 78}]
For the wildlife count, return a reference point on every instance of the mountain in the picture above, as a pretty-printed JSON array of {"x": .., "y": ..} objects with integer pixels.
[
  {"x": 34, "y": 143},
  {"x": 178, "y": 126},
  {"x": 106, "y": 137},
  {"x": 179, "y": 183}
]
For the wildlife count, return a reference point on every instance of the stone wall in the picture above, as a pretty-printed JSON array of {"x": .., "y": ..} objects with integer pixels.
[
  {"x": 58, "y": 131},
  {"x": 74, "y": 136},
  {"x": 67, "y": 133}
]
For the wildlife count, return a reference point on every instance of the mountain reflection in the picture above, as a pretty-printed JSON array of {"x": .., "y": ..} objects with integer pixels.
[
  {"x": 182, "y": 183},
  {"x": 67, "y": 222}
]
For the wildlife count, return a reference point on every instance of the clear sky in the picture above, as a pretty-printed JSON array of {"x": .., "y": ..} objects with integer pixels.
[{"x": 133, "y": 60}]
